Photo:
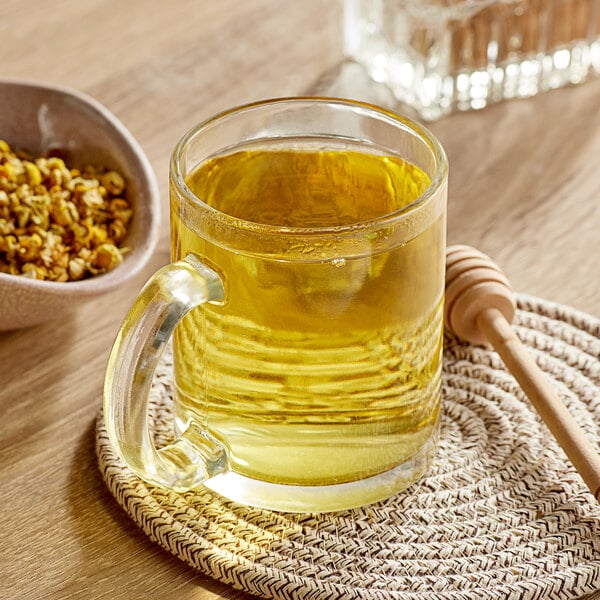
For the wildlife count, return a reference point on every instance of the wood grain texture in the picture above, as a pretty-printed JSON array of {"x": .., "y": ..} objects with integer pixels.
[{"x": 524, "y": 188}]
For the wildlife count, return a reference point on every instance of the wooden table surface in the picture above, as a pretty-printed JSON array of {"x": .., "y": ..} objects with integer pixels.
[{"x": 524, "y": 187}]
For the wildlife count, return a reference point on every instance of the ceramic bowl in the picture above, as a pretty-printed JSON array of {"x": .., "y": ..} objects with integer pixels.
[{"x": 43, "y": 118}]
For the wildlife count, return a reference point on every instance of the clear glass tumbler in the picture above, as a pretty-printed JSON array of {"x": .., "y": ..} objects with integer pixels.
[{"x": 443, "y": 55}]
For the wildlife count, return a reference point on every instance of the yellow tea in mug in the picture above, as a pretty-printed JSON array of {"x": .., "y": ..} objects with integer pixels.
[
  {"x": 304, "y": 300},
  {"x": 323, "y": 364}
]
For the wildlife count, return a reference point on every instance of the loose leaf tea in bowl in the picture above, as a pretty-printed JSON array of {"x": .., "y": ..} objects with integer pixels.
[
  {"x": 69, "y": 233},
  {"x": 59, "y": 223}
]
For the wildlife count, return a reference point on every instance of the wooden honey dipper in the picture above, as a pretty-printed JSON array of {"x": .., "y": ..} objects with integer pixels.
[{"x": 479, "y": 308}]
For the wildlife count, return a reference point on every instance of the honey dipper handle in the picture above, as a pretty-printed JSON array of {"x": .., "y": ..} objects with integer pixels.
[{"x": 549, "y": 406}]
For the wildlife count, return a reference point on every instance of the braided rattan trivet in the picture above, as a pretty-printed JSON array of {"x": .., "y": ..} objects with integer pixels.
[{"x": 501, "y": 514}]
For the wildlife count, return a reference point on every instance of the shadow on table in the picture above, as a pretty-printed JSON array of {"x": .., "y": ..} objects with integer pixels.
[{"x": 117, "y": 559}]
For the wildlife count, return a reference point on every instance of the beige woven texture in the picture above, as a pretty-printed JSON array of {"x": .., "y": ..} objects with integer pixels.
[{"x": 501, "y": 514}]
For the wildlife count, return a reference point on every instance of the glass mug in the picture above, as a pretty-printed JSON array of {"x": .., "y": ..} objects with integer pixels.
[{"x": 305, "y": 305}]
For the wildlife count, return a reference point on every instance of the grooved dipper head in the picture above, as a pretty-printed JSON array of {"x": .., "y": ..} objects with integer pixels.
[{"x": 473, "y": 283}]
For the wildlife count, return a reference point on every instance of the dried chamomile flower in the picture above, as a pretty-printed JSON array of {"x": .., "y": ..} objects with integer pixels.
[{"x": 59, "y": 223}]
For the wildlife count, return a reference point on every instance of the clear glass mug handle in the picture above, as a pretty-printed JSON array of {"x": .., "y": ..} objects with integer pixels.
[{"x": 195, "y": 455}]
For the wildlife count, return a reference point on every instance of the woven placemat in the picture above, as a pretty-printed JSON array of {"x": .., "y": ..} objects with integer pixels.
[{"x": 501, "y": 514}]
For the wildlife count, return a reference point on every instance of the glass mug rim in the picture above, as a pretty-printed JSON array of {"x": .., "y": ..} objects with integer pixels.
[{"x": 177, "y": 175}]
